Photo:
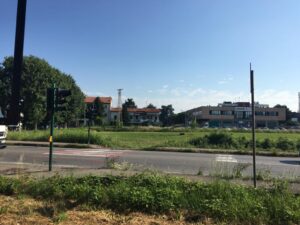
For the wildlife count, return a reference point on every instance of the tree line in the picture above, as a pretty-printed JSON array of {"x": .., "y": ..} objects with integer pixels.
[{"x": 37, "y": 76}]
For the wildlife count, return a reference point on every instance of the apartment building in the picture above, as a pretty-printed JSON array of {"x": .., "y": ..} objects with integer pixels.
[{"x": 237, "y": 114}]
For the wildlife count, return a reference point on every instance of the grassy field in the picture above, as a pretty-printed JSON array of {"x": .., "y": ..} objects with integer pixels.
[
  {"x": 156, "y": 194},
  {"x": 267, "y": 141}
]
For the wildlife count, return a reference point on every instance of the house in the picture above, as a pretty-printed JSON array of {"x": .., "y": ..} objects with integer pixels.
[
  {"x": 115, "y": 114},
  {"x": 136, "y": 115},
  {"x": 143, "y": 115},
  {"x": 106, "y": 103}
]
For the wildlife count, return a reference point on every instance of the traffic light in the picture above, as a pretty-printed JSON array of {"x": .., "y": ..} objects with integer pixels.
[
  {"x": 50, "y": 99},
  {"x": 60, "y": 98}
]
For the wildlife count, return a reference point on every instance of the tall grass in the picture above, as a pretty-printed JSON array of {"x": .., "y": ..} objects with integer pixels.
[
  {"x": 150, "y": 140},
  {"x": 153, "y": 193}
]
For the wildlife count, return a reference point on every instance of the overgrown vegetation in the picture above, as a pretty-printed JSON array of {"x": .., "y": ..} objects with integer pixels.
[
  {"x": 153, "y": 193},
  {"x": 229, "y": 141},
  {"x": 153, "y": 138}
]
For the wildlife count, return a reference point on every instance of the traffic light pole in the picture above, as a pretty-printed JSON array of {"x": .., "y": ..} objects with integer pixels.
[
  {"x": 55, "y": 102},
  {"x": 51, "y": 128},
  {"x": 51, "y": 141}
]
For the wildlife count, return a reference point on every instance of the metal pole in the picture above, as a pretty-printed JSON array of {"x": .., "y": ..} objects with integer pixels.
[
  {"x": 51, "y": 130},
  {"x": 14, "y": 110},
  {"x": 253, "y": 125}
]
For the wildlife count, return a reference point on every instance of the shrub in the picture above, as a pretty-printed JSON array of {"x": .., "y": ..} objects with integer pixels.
[
  {"x": 221, "y": 139},
  {"x": 285, "y": 144},
  {"x": 200, "y": 142},
  {"x": 298, "y": 145},
  {"x": 242, "y": 142},
  {"x": 267, "y": 144}
]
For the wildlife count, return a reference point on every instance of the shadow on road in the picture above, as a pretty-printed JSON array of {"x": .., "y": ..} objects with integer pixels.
[{"x": 291, "y": 162}]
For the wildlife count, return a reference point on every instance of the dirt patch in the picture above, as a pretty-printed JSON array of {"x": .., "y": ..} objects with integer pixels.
[{"x": 27, "y": 211}]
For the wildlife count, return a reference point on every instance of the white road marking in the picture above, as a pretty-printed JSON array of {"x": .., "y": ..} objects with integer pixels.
[
  {"x": 226, "y": 158},
  {"x": 88, "y": 153}
]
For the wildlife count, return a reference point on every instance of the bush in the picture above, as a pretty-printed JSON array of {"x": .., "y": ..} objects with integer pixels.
[
  {"x": 267, "y": 144},
  {"x": 220, "y": 139},
  {"x": 285, "y": 144},
  {"x": 200, "y": 142}
]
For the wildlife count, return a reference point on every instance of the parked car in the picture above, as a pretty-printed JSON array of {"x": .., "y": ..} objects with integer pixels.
[{"x": 3, "y": 135}]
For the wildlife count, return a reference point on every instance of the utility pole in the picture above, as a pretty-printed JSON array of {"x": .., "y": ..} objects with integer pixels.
[
  {"x": 253, "y": 124},
  {"x": 120, "y": 105},
  {"x": 13, "y": 117}
]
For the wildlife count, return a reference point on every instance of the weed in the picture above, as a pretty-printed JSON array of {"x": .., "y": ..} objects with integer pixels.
[
  {"x": 60, "y": 217},
  {"x": 263, "y": 174},
  {"x": 154, "y": 193},
  {"x": 200, "y": 173},
  {"x": 239, "y": 168}
]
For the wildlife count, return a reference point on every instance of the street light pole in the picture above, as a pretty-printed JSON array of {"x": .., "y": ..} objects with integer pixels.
[
  {"x": 253, "y": 125},
  {"x": 14, "y": 109}
]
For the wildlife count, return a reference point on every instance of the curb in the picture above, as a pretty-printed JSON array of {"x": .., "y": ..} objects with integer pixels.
[{"x": 46, "y": 144}]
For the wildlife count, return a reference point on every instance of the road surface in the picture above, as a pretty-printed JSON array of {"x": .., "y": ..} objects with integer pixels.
[{"x": 171, "y": 162}]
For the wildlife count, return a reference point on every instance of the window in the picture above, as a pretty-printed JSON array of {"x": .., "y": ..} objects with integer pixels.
[
  {"x": 226, "y": 112},
  {"x": 259, "y": 113},
  {"x": 248, "y": 114},
  {"x": 215, "y": 112},
  {"x": 239, "y": 114}
]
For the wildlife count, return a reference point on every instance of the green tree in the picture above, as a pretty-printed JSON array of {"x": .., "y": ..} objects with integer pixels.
[
  {"x": 151, "y": 106},
  {"x": 129, "y": 103},
  {"x": 99, "y": 111},
  {"x": 37, "y": 76},
  {"x": 166, "y": 114},
  {"x": 178, "y": 118}
]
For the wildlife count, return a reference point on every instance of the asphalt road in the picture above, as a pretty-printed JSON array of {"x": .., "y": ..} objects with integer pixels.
[{"x": 172, "y": 162}]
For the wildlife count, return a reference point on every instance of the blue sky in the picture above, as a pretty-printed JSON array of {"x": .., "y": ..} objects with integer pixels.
[{"x": 186, "y": 53}]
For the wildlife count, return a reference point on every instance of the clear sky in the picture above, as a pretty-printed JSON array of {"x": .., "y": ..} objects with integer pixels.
[{"x": 182, "y": 52}]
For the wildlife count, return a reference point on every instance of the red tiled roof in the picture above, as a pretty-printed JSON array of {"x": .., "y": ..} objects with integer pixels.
[
  {"x": 104, "y": 100},
  {"x": 115, "y": 109},
  {"x": 143, "y": 110}
]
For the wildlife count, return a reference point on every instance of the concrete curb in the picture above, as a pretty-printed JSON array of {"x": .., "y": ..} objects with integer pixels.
[{"x": 46, "y": 144}]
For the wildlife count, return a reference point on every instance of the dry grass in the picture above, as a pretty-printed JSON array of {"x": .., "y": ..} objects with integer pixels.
[{"x": 27, "y": 211}]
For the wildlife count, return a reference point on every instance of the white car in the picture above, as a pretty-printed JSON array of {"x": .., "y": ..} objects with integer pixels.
[{"x": 3, "y": 135}]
